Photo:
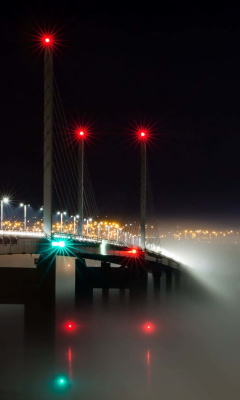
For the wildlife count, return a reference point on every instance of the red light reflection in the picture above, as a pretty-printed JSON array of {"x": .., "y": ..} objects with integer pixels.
[
  {"x": 148, "y": 327},
  {"x": 70, "y": 361},
  {"x": 70, "y": 326}
]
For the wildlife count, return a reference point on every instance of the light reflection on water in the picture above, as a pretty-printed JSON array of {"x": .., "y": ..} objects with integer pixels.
[{"x": 192, "y": 352}]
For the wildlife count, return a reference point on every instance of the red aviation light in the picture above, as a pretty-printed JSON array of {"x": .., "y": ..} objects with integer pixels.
[
  {"x": 48, "y": 40},
  {"x": 81, "y": 132},
  {"x": 143, "y": 132}
]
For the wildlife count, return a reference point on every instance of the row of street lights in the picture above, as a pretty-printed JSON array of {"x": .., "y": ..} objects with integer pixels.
[
  {"x": 5, "y": 200},
  {"x": 75, "y": 218}
]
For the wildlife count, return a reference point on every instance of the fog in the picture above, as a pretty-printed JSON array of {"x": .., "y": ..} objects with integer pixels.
[{"x": 190, "y": 352}]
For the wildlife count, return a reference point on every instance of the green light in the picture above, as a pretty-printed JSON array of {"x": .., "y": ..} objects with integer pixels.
[{"x": 59, "y": 243}]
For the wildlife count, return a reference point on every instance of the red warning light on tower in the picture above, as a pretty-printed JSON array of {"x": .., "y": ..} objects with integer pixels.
[
  {"x": 81, "y": 132},
  {"x": 142, "y": 133},
  {"x": 47, "y": 40}
]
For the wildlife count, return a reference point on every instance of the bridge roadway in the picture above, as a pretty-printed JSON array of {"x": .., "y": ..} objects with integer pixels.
[{"x": 130, "y": 267}]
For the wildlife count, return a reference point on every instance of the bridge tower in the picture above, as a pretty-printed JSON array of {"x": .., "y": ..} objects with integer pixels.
[
  {"x": 81, "y": 135},
  {"x": 48, "y": 42},
  {"x": 143, "y": 139}
]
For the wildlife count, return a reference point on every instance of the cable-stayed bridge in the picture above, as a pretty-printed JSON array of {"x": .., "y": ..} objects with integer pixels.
[{"x": 65, "y": 178}]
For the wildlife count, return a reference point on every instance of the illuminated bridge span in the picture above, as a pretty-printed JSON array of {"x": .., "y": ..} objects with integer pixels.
[
  {"x": 120, "y": 267},
  {"x": 12, "y": 242}
]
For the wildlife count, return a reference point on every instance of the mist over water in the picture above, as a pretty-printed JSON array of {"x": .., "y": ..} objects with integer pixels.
[{"x": 190, "y": 352}]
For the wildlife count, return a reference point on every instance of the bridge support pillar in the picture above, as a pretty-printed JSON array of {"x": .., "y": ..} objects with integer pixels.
[
  {"x": 39, "y": 327},
  {"x": 168, "y": 280},
  {"x": 105, "y": 295},
  {"x": 83, "y": 288},
  {"x": 105, "y": 264},
  {"x": 138, "y": 285},
  {"x": 177, "y": 276},
  {"x": 156, "y": 283},
  {"x": 122, "y": 295}
]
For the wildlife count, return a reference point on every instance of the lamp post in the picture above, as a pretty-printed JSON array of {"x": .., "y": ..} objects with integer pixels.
[
  {"x": 109, "y": 227},
  {"x": 98, "y": 230},
  {"x": 24, "y": 215},
  {"x": 4, "y": 200},
  {"x": 61, "y": 219},
  {"x": 87, "y": 220},
  {"x": 75, "y": 217}
]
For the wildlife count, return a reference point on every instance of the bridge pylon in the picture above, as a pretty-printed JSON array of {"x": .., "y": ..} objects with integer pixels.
[{"x": 48, "y": 133}]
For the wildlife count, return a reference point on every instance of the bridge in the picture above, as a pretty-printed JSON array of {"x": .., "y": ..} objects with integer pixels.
[{"x": 121, "y": 266}]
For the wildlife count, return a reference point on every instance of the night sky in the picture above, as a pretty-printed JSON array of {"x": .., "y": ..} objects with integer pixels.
[{"x": 174, "y": 67}]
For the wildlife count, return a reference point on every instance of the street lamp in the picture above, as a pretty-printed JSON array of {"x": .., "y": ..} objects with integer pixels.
[
  {"x": 24, "y": 215},
  {"x": 88, "y": 220},
  {"x": 109, "y": 227},
  {"x": 99, "y": 229},
  {"x": 74, "y": 223},
  {"x": 4, "y": 200},
  {"x": 61, "y": 218}
]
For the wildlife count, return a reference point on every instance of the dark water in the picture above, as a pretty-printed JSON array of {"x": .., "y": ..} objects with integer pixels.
[{"x": 183, "y": 344}]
